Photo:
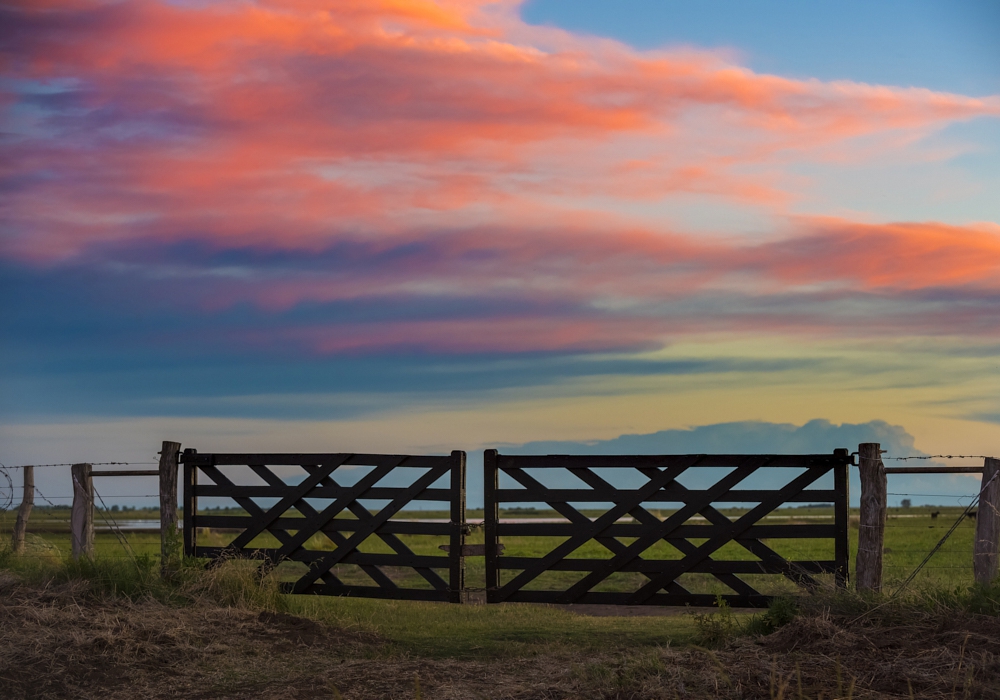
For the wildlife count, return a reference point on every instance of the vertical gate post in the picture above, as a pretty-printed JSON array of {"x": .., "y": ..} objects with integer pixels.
[
  {"x": 491, "y": 516},
  {"x": 871, "y": 529},
  {"x": 842, "y": 519},
  {"x": 456, "y": 583},
  {"x": 190, "y": 504},
  {"x": 82, "y": 516},
  {"x": 169, "y": 537},
  {"x": 27, "y": 501},
  {"x": 984, "y": 557}
]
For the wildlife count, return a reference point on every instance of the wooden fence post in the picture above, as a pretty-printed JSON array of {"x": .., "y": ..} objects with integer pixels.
[
  {"x": 871, "y": 529},
  {"x": 170, "y": 538},
  {"x": 984, "y": 556},
  {"x": 82, "y": 515},
  {"x": 27, "y": 501}
]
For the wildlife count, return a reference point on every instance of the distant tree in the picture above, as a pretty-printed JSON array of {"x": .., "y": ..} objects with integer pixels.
[
  {"x": 906, "y": 503},
  {"x": 114, "y": 509}
]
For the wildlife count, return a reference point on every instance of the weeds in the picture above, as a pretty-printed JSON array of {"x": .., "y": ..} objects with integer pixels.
[
  {"x": 781, "y": 612},
  {"x": 234, "y": 583},
  {"x": 716, "y": 628}
]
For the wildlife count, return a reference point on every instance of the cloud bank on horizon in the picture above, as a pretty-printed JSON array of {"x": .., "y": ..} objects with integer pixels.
[{"x": 287, "y": 181}]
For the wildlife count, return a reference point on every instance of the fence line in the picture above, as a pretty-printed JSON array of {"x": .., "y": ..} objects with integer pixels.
[{"x": 874, "y": 521}]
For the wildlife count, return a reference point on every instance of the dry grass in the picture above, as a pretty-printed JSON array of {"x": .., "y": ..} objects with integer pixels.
[{"x": 76, "y": 639}]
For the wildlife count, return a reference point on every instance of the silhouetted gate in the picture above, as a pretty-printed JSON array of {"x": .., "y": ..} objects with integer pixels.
[
  {"x": 333, "y": 514},
  {"x": 653, "y": 551}
]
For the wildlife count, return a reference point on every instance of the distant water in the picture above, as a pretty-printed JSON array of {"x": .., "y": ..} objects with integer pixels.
[{"x": 147, "y": 524}]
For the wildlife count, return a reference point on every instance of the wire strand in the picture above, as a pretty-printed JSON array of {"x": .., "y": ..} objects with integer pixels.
[
  {"x": 903, "y": 459},
  {"x": 70, "y": 464},
  {"x": 115, "y": 529},
  {"x": 948, "y": 534}
]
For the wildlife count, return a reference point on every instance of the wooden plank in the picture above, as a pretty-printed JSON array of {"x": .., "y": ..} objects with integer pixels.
[
  {"x": 583, "y": 534},
  {"x": 330, "y": 559},
  {"x": 250, "y": 507},
  {"x": 748, "y": 541},
  {"x": 579, "y": 519},
  {"x": 319, "y": 492},
  {"x": 357, "y": 490},
  {"x": 871, "y": 528},
  {"x": 371, "y": 592},
  {"x": 842, "y": 511},
  {"x": 684, "y": 547},
  {"x": 456, "y": 573},
  {"x": 274, "y": 512},
  {"x": 655, "y": 533},
  {"x": 734, "y": 531},
  {"x": 82, "y": 515},
  {"x": 298, "y": 459},
  {"x": 398, "y": 527},
  {"x": 933, "y": 470},
  {"x": 191, "y": 517},
  {"x": 653, "y": 566},
  {"x": 128, "y": 472},
  {"x": 669, "y": 494},
  {"x": 362, "y": 559},
  {"x": 505, "y": 462},
  {"x": 373, "y": 572},
  {"x": 362, "y": 515},
  {"x": 24, "y": 510},
  {"x": 491, "y": 516},
  {"x": 170, "y": 543},
  {"x": 615, "y": 598},
  {"x": 984, "y": 556},
  {"x": 817, "y": 530},
  {"x": 307, "y": 511}
]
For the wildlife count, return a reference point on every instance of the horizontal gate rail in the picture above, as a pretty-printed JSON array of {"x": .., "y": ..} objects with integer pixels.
[
  {"x": 627, "y": 529},
  {"x": 346, "y": 525}
]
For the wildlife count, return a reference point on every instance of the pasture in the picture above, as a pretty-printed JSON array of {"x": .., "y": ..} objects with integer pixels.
[
  {"x": 215, "y": 638},
  {"x": 911, "y": 533}
]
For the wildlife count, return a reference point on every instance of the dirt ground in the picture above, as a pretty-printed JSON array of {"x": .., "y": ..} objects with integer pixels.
[{"x": 60, "y": 643}]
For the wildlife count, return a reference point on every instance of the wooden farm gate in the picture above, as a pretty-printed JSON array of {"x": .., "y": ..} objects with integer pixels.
[
  {"x": 333, "y": 514},
  {"x": 632, "y": 542}
]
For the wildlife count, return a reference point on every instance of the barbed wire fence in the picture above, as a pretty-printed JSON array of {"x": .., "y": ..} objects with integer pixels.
[
  {"x": 900, "y": 557},
  {"x": 910, "y": 547},
  {"x": 123, "y": 548}
]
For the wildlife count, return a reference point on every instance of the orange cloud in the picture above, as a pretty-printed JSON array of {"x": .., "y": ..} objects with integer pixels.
[{"x": 289, "y": 121}]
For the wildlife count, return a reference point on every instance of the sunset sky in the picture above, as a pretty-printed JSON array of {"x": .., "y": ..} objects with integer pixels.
[{"x": 416, "y": 225}]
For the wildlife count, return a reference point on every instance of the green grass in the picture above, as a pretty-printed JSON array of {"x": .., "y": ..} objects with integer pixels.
[
  {"x": 441, "y": 630},
  {"x": 467, "y": 631},
  {"x": 908, "y": 539}
]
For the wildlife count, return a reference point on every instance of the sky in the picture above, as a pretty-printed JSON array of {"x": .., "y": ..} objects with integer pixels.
[{"x": 418, "y": 226}]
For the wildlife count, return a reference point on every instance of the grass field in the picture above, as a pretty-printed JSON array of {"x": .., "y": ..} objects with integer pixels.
[
  {"x": 452, "y": 630},
  {"x": 112, "y": 628},
  {"x": 911, "y": 533}
]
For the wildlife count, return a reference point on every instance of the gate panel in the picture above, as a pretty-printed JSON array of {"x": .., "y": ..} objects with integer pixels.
[
  {"x": 612, "y": 538},
  {"x": 309, "y": 510}
]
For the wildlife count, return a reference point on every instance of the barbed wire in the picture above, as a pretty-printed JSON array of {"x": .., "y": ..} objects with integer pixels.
[
  {"x": 903, "y": 459},
  {"x": 43, "y": 497},
  {"x": 116, "y": 495},
  {"x": 117, "y": 530},
  {"x": 6, "y": 494},
  {"x": 931, "y": 495},
  {"x": 948, "y": 534},
  {"x": 70, "y": 464}
]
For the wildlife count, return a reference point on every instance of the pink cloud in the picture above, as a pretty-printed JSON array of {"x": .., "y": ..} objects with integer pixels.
[
  {"x": 500, "y": 291},
  {"x": 248, "y": 124},
  {"x": 458, "y": 154}
]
